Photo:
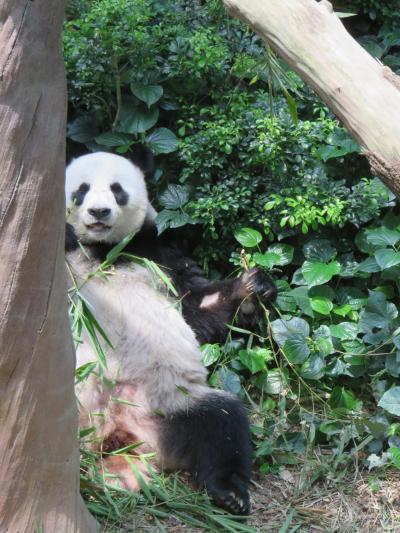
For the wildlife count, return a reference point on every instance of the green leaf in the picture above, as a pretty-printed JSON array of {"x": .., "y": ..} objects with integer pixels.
[
  {"x": 136, "y": 119},
  {"x": 174, "y": 197},
  {"x": 313, "y": 368},
  {"x": 340, "y": 397},
  {"x": 395, "y": 456},
  {"x": 267, "y": 260},
  {"x": 228, "y": 380},
  {"x": 284, "y": 251},
  {"x": 253, "y": 360},
  {"x": 382, "y": 236},
  {"x": 211, "y": 354},
  {"x": 319, "y": 250},
  {"x": 149, "y": 94},
  {"x": 344, "y": 330},
  {"x": 292, "y": 107},
  {"x": 112, "y": 139},
  {"x": 83, "y": 129},
  {"x": 390, "y": 401},
  {"x": 342, "y": 310},
  {"x": 275, "y": 382},
  {"x": 282, "y": 330},
  {"x": 378, "y": 313},
  {"x": 323, "y": 340},
  {"x": 317, "y": 273},
  {"x": 321, "y": 305},
  {"x": 296, "y": 348},
  {"x": 248, "y": 237},
  {"x": 300, "y": 295},
  {"x": 387, "y": 258},
  {"x": 369, "y": 265},
  {"x": 172, "y": 219},
  {"x": 162, "y": 141}
]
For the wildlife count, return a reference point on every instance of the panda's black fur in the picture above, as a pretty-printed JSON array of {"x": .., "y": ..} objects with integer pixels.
[{"x": 191, "y": 427}]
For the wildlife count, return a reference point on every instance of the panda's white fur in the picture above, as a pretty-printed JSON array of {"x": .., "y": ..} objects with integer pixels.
[{"x": 159, "y": 394}]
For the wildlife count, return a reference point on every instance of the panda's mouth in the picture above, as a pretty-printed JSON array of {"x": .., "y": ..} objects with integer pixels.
[{"x": 98, "y": 227}]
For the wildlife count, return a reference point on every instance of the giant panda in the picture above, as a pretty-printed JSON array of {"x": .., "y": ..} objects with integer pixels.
[{"x": 155, "y": 389}]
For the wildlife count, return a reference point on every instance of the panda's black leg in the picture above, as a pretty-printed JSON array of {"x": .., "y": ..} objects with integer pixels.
[{"x": 211, "y": 441}]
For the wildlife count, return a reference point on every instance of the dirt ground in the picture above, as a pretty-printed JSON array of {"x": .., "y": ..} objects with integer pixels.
[{"x": 361, "y": 504}]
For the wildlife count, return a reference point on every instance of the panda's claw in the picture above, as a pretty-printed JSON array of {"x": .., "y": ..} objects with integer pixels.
[
  {"x": 232, "y": 502},
  {"x": 256, "y": 281}
]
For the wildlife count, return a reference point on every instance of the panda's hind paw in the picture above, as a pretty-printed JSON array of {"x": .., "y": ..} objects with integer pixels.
[{"x": 234, "y": 501}]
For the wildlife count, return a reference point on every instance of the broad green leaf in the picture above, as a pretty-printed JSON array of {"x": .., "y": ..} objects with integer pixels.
[
  {"x": 319, "y": 250},
  {"x": 282, "y": 330},
  {"x": 392, "y": 364},
  {"x": 363, "y": 245},
  {"x": 313, "y": 368},
  {"x": 149, "y": 94},
  {"x": 284, "y": 251},
  {"x": 323, "y": 291},
  {"x": 300, "y": 295},
  {"x": 211, "y": 354},
  {"x": 390, "y": 401},
  {"x": 163, "y": 219},
  {"x": 83, "y": 129},
  {"x": 340, "y": 397},
  {"x": 321, "y": 305},
  {"x": 317, "y": 273},
  {"x": 162, "y": 141},
  {"x": 348, "y": 265},
  {"x": 228, "y": 380},
  {"x": 342, "y": 310},
  {"x": 248, "y": 237},
  {"x": 296, "y": 348},
  {"x": 253, "y": 360},
  {"x": 112, "y": 139},
  {"x": 387, "y": 258},
  {"x": 275, "y": 382},
  {"x": 298, "y": 278},
  {"x": 323, "y": 340},
  {"x": 382, "y": 236},
  {"x": 174, "y": 197},
  {"x": 136, "y": 118},
  {"x": 369, "y": 265},
  {"x": 344, "y": 330},
  {"x": 267, "y": 260},
  {"x": 378, "y": 313},
  {"x": 286, "y": 302}
]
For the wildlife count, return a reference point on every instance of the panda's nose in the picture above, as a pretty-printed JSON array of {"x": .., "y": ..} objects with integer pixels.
[{"x": 99, "y": 213}]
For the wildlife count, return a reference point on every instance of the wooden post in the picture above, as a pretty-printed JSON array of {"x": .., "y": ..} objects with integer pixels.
[{"x": 39, "y": 457}]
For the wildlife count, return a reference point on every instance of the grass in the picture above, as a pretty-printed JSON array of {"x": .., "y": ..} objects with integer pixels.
[
  {"x": 163, "y": 499},
  {"x": 282, "y": 503}
]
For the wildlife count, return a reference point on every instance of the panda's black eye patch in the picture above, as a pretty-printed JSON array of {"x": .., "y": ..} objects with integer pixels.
[
  {"x": 121, "y": 196},
  {"x": 78, "y": 196}
]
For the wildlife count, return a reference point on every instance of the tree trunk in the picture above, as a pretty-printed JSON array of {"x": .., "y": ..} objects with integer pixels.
[
  {"x": 362, "y": 93},
  {"x": 39, "y": 457}
]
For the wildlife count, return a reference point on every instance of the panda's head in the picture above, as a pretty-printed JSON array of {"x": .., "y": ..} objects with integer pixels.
[{"x": 106, "y": 197}]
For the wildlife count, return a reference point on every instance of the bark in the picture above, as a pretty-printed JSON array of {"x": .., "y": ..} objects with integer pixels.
[
  {"x": 39, "y": 457},
  {"x": 362, "y": 93}
]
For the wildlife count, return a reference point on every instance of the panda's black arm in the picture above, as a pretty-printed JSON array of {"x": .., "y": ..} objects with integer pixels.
[{"x": 209, "y": 306}]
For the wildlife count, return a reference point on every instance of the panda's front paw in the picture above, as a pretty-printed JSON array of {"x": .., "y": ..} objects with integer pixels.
[{"x": 256, "y": 281}]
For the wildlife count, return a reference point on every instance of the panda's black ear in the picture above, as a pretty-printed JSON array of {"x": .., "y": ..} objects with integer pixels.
[{"x": 143, "y": 158}]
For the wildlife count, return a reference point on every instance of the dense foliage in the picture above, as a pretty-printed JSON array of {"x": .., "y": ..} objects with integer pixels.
[
  {"x": 257, "y": 165},
  {"x": 255, "y": 146}
]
